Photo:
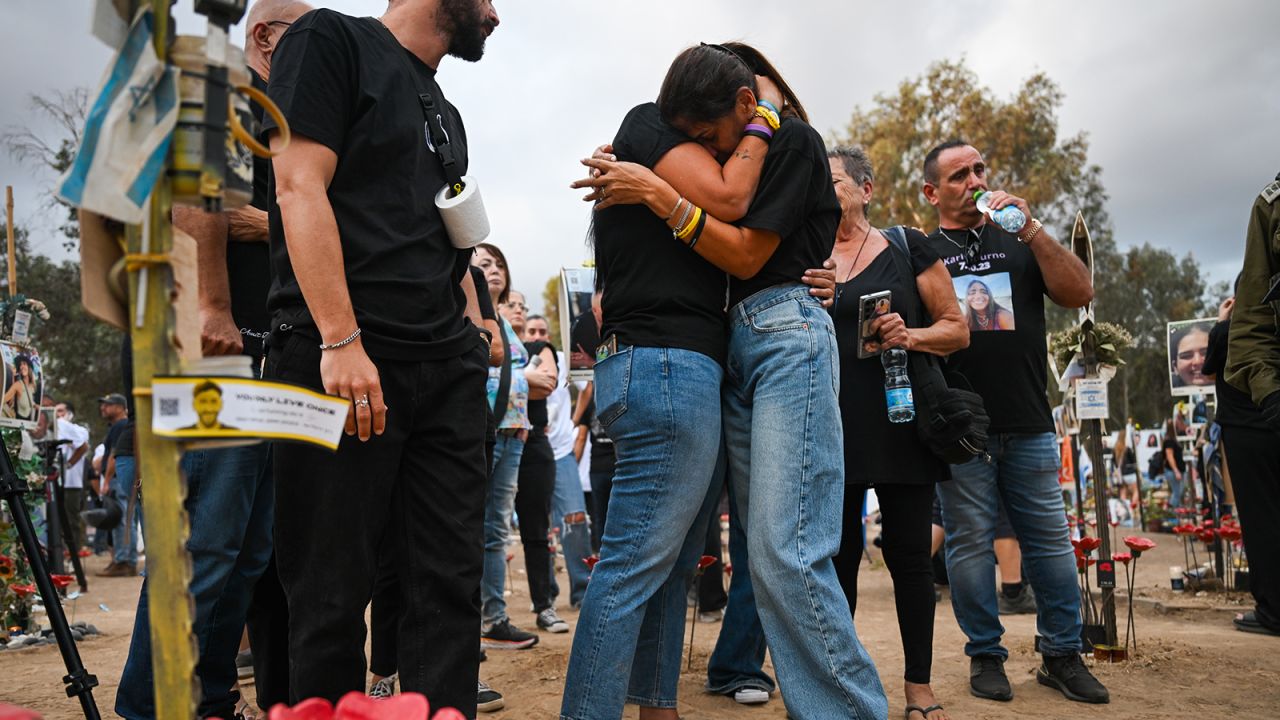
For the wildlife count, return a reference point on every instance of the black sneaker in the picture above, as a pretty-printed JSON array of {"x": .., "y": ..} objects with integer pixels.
[
  {"x": 488, "y": 699},
  {"x": 1069, "y": 675},
  {"x": 987, "y": 679},
  {"x": 1024, "y": 603},
  {"x": 505, "y": 636}
]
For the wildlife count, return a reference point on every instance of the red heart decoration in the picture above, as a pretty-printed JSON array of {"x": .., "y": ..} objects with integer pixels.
[{"x": 449, "y": 714}]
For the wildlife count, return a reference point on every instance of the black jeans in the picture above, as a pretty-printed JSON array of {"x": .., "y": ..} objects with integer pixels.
[
  {"x": 1253, "y": 457},
  {"x": 425, "y": 477},
  {"x": 268, "y": 625},
  {"x": 601, "y": 487},
  {"x": 906, "y": 514},
  {"x": 534, "y": 487}
]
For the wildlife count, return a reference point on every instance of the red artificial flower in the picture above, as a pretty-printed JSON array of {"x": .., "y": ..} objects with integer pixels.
[
  {"x": 61, "y": 581},
  {"x": 1207, "y": 535},
  {"x": 1122, "y": 558},
  {"x": 1208, "y": 522},
  {"x": 705, "y": 562},
  {"x": 1139, "y": 545},
  {"x": 313, "y": 709},
  {"x": 1230, "y": 533},
  {"x": 591, "y": 561},
  {"x": 1185, "y": 511},
  {"x": 1115, "y": 522},
  {"x": 405, "y": 706},
  {"x": 22, "y": 590},
  {"x": 1226, "y": 519},
  {"x": 1087, "y": 544},
  {"x": 449, "y": 714},
  {"x": 728, "y": 568},
  {"x": 1083, "y": 563}
]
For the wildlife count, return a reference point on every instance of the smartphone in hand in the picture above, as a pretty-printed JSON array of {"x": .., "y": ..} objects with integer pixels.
[{"x": 871, "y": 307}]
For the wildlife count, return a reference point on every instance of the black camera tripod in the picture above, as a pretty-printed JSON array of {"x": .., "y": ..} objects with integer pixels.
[{"x": 78, "y": 680}]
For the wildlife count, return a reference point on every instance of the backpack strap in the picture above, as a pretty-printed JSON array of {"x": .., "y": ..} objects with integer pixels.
[
  {"x": 504, "y": 378},
  {"x": 897, "y": 237}
]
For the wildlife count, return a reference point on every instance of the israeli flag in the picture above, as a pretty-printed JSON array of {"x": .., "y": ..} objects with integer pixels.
[{"x": 127, "y": 134}]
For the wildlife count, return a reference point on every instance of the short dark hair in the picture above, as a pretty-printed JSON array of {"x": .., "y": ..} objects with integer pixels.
[
  {"x": 855, "y": 162},
  {"x": 70, "y": 407},
  {"x": 206, "y": 386},
  {"x": 931, "y": 160},
  {"x": 531, "y": 318}
]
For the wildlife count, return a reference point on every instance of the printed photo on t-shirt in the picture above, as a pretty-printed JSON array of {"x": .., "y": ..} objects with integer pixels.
[{"x": 985, "y": 300}]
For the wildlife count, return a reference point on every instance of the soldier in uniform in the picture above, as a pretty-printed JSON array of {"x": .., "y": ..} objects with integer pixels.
[{"x": 1253, "y": 366}]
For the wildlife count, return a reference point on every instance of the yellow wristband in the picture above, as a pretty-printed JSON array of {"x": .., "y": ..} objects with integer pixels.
[
  {"x": 769, "y": 116},
  {"x": 687, "y": 230}
]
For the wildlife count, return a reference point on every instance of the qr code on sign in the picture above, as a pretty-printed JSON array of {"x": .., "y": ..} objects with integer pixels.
[{"x": 169, "y": 406}]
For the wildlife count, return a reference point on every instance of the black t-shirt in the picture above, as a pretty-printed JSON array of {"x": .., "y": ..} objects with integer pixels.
[
  {"x": 113, "y": 435},
  {"x": 124, "y": 443},
  {"x": 482, "y": 295},
  {"x": 249, "y": 261},
  {"x": 657, "y": 292},
  {"x": 1178, "y": 460},
  {"x": 876, "y": 451},
  {"x": 538, "y": 416},
  {"x": 346, "y": 83},
  {"x": 1234, "y": 407},
  {"x": 1007, "y": 359},
  {"x": 796, "y": 200}
]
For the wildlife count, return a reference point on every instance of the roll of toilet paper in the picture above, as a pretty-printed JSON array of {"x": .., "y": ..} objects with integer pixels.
[{"x": 464, "y": 215}]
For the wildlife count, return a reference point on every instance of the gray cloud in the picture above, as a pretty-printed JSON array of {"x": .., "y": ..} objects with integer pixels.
[{"x": 1176, "y": 96}]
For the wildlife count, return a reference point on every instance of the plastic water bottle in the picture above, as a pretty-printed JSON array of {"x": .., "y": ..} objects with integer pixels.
[
  {"x": 1008, "y": 217},
  {"x": 897, "y": 386}
]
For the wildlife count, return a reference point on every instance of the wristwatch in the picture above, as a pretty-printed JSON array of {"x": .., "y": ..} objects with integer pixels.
[{"x": 1034, "y": 226}]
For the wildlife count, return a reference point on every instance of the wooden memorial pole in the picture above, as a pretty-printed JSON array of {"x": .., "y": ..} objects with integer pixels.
[
  {"x": 1091, "y": 430},
  {"x": 13, "y": 260},
  {"x": 152, "y": 322}
]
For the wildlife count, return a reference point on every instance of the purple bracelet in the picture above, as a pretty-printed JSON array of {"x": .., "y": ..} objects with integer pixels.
[{"x": 760, "y": 128}]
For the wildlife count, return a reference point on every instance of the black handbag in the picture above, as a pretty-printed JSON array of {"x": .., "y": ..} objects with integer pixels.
[{"x": 951, "y": 419}]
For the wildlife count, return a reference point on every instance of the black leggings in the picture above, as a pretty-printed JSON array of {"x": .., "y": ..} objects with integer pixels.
[
  {"x": 906, "y": 535},
  {"x": 536, "y": 483}
]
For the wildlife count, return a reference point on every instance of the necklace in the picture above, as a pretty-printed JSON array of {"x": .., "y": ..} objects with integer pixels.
[
  {"x": 866, "y": 236},
  {"x": 840, "y": 291},
  {"x": 971, "y": 247}
]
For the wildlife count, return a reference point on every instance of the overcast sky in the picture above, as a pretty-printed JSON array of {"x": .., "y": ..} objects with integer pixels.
[{"x": 1178, "y": 96}]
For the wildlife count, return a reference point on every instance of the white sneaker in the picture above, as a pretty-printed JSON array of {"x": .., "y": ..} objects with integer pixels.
[
  {"x": 714, "y": 616},
  {"x": 548, "y": 620},
  {"x": 751, "y": 696}
]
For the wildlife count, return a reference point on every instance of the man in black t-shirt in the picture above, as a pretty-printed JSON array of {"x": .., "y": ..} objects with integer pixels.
[
  {"x": 367, "y": 303},
  {"x": 1001, "y": 280}
]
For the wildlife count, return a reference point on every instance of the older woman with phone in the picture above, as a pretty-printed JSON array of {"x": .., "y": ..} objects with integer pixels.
[{"x": 873, "y": 294}]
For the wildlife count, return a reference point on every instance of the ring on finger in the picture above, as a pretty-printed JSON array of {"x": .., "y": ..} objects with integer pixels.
[{"x": 363, "y": 401}]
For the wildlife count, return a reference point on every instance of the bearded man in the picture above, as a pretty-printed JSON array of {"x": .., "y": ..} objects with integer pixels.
[{"x": 367, "y": 303}]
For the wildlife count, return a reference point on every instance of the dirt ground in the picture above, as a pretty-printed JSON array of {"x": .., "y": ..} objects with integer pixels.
[{"x": 1190, "y": 664}]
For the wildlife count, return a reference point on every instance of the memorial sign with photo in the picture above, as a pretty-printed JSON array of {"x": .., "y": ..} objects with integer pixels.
[
  {"x": 227, "y": 408},
  {"x": 1188, "y": 343},
  {"x": 580, "y": 336},
  {"x": 23, "y": 386}
]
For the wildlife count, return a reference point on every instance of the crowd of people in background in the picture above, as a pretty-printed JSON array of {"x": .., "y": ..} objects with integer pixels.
[{"x": 736, "y": 375}]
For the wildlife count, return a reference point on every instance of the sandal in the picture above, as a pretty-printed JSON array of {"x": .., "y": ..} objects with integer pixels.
[
  {"x": 1248, "y": 622},
  {"x": 924, "y": 711}
]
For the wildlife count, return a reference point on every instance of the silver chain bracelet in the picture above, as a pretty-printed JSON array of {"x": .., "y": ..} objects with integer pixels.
[{"x": 345, "y": 341}]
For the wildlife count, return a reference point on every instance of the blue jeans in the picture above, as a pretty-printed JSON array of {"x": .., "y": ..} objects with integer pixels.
[
  {"x": 575, "y": 538},
  {"x": 1023, "y": 471},
  {"x": 1176, "y": 489},
  {"x": 229, "y": 499},
  {"x": 738, "y": 659},
  {"x": 124, "y": 537},
  {"x": 499, "y": 503},
  {"x": 660, "y": 406},
  {"x": 786, "y": 460}
]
